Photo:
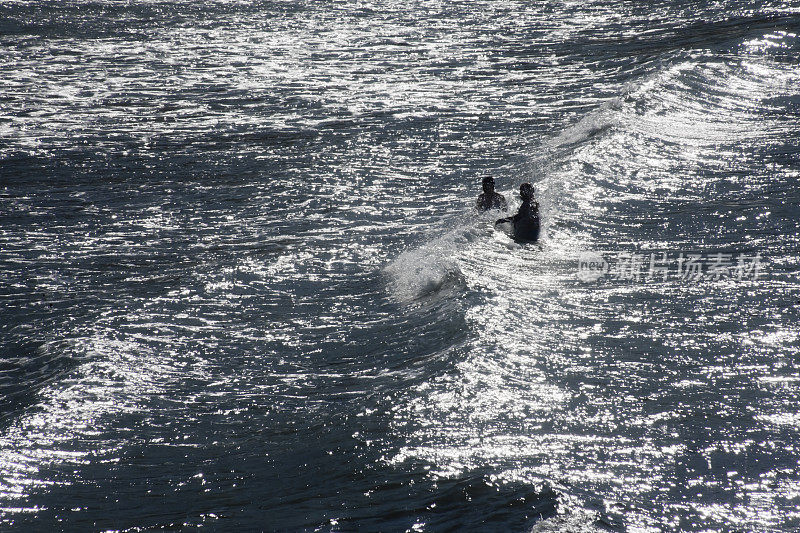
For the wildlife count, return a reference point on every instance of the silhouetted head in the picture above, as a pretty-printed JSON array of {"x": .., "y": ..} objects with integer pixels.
[
  {"x": 526, "y": 191},
  {"x": 488, "y": 184}
]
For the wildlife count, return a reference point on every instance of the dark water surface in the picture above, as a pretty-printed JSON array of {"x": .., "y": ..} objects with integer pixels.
[{"x": 242, "y": 286}]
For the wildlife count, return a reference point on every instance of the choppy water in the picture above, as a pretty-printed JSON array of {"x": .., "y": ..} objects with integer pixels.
[{"x": 242, "y": 285}]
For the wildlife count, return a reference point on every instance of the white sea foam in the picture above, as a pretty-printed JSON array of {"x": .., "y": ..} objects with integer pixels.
[{"x": 424, "y": 270}]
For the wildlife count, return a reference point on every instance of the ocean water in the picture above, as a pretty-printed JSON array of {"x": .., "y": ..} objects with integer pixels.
[{"x": 242, "y": 286}]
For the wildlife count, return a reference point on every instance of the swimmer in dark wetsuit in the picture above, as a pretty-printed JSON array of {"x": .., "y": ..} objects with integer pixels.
[
  {"x": 490, "y": 199},
  {"x": 526, "y": 221}
]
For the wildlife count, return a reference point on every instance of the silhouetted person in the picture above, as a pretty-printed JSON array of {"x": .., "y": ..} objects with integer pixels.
[
  {"x": 490, "y": 199},
  {"x": 526, "y": 221}
]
